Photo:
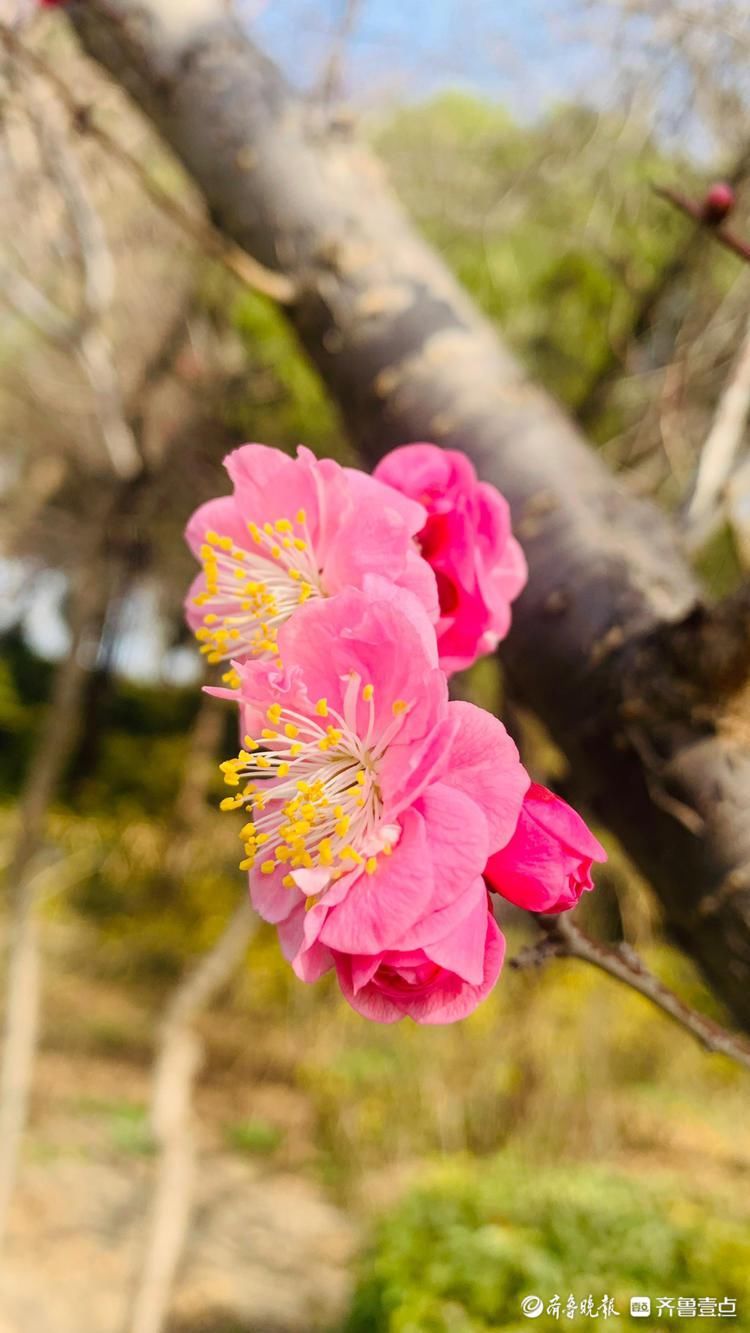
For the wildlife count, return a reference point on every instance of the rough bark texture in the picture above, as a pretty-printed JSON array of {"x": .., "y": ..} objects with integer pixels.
[{"x": 407, "y": 357}]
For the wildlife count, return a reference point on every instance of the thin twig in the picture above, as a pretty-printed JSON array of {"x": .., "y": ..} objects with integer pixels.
[
  {"x": 241, "y": 265},
  {"x": 695, "y": 211},
  {"x": 647, "y": 304},
  {"x": 93, "y": 346},
  {"x": 63, "y": 167},
  {"x": 83, "y": 331},
  {"x": 563, "y": 939},
  {"x": 332, "y": 76}
]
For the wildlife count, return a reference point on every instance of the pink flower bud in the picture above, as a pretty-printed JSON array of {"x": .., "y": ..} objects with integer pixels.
[
  {"x": 546, "y": 866},
  {"x": 718, "y": 203}
]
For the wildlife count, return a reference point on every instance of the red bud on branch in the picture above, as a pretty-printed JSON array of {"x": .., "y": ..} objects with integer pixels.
[{"x": 718, "y": 203}]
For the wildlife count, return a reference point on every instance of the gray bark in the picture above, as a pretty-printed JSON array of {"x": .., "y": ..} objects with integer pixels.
[{"x": 610, "y": 640}]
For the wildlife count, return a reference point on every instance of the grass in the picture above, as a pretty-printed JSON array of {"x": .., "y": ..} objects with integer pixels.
[
  {"x": 463, "y": 1249},
  {"x": 257, "y": 1138}
]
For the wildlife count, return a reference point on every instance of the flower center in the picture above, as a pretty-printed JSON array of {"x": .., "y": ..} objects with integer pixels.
[
  {"x": 311, "y": 785},
  {"x": 250, "y": 593}
]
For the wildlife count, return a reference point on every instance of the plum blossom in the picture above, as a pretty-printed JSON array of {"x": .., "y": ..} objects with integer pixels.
[
  {"x": 377, "y": 813},
  {"x": 440, "y": 983},
  {"x": 546, "y": 865},
  {"x": 374, "y": 806},
  {"x": 479, "y": 565},
  {"x": 293, "y": 531}
]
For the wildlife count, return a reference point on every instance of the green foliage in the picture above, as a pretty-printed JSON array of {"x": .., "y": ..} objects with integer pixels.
[
  {"x": 134, "y": 900},
  {"x": 462, "y": 1250},
  {"x": 287, "y": 403},
  {"x": 133, "y": 747},
  {"x": 552, "y": 227},
  {"x": 126, "y": 1123},
  {"x": 256, "y": 1137},
  {"x": 719, "y": 563}
]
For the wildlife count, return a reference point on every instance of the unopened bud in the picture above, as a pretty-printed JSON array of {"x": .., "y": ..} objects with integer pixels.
[{"x": 718, "y": 203}]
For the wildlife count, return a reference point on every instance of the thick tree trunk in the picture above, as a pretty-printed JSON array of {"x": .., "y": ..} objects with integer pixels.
[{"x": 593, "y": 649}]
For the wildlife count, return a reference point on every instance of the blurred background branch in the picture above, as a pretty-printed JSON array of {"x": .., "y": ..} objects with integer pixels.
[
  {"x": 180, "y": 1054},
  {"x": 82, "y": 117}
]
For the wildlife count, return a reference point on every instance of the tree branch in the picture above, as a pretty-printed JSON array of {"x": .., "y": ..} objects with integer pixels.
[
  {"x": 332, "y": 76},
  {"x": 722, "y": 235},
  {"x": 563, "y": 939}
]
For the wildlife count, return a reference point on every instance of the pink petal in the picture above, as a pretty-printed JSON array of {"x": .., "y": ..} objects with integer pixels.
[
  {"x": 372, "y": 492},
  {"x": 462, "y": 950},
  {"x": 270, "y": 898},
  {"x": 380, "y": 907},
  {"x": 456, "y": 1005},
  {"x": 367, "y": 1001},
  {"x": 562, "y": 822},
  {"x": 457, "y": 839},
  {"x": 437, "y": 924},
  {"x": 366, "y": 541},
  {"x": 484, "y": 763},
  {"x": 406, "y": 770},
  {"x": 221, "y": 515},
  {"x": 370, "y": 634}
]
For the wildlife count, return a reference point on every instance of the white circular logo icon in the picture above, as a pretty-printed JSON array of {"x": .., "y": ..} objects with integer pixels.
[{"x": 532, "y": 1306}]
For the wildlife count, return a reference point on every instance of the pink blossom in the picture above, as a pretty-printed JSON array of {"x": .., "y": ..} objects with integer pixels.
[
  {"x": 440, "y": 983},
  {"x": 375, "y": 802},
  {"x": 546, "y": 865},
  {"x": 293, "y": 531},
  {"x": 478, "y": 564}
]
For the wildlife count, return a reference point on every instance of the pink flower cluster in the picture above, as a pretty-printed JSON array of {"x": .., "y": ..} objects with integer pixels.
[{"x": 378, "y": 812}]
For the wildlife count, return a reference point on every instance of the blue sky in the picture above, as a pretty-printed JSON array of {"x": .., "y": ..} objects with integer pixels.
[{"x": 527, "y": 54}]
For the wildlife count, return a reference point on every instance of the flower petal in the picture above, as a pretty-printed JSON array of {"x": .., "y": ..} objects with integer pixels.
[
  {"x": 462, "y": 949},
  {"x": 455, "y": 1004},
  {"x": 484, "y": 763},
  {"x": 379, "y": 908}
]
